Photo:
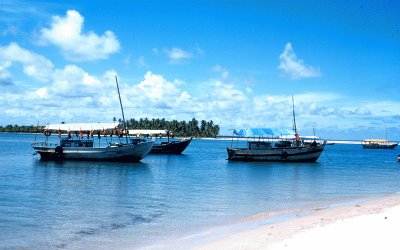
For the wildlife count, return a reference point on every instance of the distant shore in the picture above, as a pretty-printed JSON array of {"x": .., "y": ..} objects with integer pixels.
[
  {"x": 371, "y": 224},
  {"x": 230, "y": 138},
  {"x": 328, "y": 141}
]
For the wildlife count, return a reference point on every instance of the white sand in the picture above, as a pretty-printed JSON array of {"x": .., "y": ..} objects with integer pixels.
[{"x": 371, "y": 225}]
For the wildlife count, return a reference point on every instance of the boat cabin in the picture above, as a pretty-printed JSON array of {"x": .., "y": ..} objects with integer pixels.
[
  {"x": 283, "y": 144},
  {"x": 76, "y": 143},
  {"x": 259, "y": 145}
]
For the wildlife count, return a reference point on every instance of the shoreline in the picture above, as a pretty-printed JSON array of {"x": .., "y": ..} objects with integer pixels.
[
  {"x": 327, "y": 223},
  {"x": 228, "y": 138}
]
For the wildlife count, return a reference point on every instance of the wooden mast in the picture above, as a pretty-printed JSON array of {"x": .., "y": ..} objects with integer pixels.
[
  {"x": 294, "y": 117},
  {"x": 122, "y": 110}
]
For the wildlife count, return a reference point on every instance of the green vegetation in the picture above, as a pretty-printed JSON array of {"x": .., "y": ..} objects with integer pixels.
[
  {"x": 21, "y": 129},
  {"x": 179, "y": 128}
]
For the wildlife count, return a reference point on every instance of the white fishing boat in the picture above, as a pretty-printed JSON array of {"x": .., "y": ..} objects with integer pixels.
[
  {"x": 80, "y": 144},
  {"x": 75, "y": 146},
  {"x": 277, "y": 145}
]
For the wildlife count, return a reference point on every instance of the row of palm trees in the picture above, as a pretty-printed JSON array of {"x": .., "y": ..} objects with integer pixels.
[
  {"x": 191, "y": 128},
  {"x": 21, "y": 129}
]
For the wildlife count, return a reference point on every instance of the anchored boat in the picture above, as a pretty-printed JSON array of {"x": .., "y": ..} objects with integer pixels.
[
  {"x": 81, "y": 148},
  {"x": 378, "y": 144},
  {"x": 80, "y": 145},
  {"x": 278, "y": 145},
  {"x": 275, "y": 149},
  {"x": 168, "y": 146}
]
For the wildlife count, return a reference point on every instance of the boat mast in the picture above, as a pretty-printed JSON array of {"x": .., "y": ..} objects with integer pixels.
[
  {"x": 386, "y": 134},
  {"x": 294, "y": 117},
  {"x": 122, "y": 110}
]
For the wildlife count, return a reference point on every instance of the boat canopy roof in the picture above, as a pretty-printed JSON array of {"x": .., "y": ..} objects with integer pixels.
[
  {"x": 81, "y": 126},
  {"x": 252, "y": 132},
  {"x": 147, "y": 131},
  {"x": 375, "y": 140},
  {"x": 292, "y": 136}
]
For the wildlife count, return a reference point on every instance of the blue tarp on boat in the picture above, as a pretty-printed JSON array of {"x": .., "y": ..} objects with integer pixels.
[{"x": 253, "y": 132}]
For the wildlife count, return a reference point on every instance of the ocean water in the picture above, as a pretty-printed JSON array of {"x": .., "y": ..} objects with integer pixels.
[{"x": 96, "y": 205}]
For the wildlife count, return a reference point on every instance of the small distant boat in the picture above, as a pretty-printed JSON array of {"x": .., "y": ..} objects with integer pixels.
[
  {"x": 77, "y": 146},
  {"x": 291, "y": 149},
  {"x": 170, "y": 146},
  {"x": 378, "y": 144}
]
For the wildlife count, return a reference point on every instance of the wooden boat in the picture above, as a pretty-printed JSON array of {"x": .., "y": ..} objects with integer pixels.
[
  {"x": 70, "y": 148},
  {"x": 378, "y": 144},
  {"x": 276, "y": 149},
  {"x": 170, "y": 146}
]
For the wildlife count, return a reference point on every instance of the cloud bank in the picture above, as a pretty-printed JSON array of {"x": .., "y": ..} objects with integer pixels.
[{"x": 71, "y": 94}]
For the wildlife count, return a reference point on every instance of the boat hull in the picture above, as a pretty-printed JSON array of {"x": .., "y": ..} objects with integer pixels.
[
  {"x": 174, "y": 147},
  {"x": 123, "y": 153},
  {"x": 380, "y": 146},
  {"x": 294, "y": 154}
]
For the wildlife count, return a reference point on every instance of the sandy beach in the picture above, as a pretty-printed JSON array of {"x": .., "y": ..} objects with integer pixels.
[{"x": 372, "y": 224}]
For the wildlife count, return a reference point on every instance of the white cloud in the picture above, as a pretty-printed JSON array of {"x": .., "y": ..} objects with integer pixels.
[
  {"x": 157, "y": 87},
  {"x": 223, "y": 103},
  {"x": 224, "y": 72},
  {"x": 294, "y": 68},
  {"x": 177, "y": 55},
  {"x": 67, "y": 33},
  {"x": 42, "y": 93},
  {"x": 384, "y": 108},
  {"x": 34, "y": 65}
]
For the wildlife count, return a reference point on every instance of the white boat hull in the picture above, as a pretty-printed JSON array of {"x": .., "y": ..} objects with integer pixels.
[{"x": 124, "y": 152}]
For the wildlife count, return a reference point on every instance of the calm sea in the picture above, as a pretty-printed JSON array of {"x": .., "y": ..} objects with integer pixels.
[{"x": 95, "y": 205}]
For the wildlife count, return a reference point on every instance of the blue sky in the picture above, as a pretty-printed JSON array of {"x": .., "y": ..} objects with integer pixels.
[{"x": 234, "y": 62}]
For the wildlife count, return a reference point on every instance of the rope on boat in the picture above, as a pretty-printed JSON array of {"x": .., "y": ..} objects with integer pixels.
[{"x": 327, "y": 156}]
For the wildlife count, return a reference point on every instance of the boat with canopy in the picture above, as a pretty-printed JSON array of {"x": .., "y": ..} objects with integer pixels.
[
  {"x": 275, "y": 144},
  {"x": 78, "y": 143},
  {"x": 378, "y": 144}
]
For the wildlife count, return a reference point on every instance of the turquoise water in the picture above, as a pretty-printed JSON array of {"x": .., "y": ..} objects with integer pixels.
[{"x": 95, "y": 205}]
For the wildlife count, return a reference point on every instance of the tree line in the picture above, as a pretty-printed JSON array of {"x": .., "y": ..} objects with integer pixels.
[
  {"x": 21, "y": 129},
  {"x": 192, "y": 128}
]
